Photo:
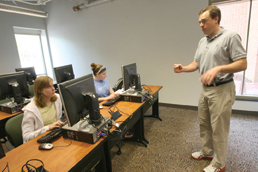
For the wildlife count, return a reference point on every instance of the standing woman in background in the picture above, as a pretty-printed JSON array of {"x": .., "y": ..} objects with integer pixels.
[
  {"x": 44, "y": 111},
  {"x": 103, "y": 89}
]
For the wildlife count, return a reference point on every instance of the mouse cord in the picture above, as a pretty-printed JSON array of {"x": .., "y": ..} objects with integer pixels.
[{"x": 64, "y": 145}]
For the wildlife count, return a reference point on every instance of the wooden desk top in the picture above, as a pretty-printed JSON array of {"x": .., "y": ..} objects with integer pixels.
[
  {"x": 128, "y": 107},
  {"x": 152, "y": 88},
  {"x": 62, "y": 158},
  {"x": 56, "y": 159},
  {"x": 4, "y": 115}
]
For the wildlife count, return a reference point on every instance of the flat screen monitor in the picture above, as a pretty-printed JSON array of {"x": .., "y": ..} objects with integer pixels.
[
  {"x": 30, "y": 74},
  {"x": 131, "y": 79},
  {"x": 14, "y": 85},
  {"x": 79, "y": 98},
  {"x": 64, "y": 73}
]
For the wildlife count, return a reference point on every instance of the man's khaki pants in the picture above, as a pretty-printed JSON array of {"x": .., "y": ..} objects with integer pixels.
[{"x": 214, "y": 111}]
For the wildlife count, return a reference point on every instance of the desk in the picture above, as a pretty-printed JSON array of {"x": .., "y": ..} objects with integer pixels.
[
  {"x": 3, "y": 119},
  {"x": 81, "y": 156},
  {"x": 136, "y": 119}
]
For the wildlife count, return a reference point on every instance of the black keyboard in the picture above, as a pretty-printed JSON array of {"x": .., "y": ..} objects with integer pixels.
[
  {"x": 111, "y": 101},
  {"x": 52, "y": 135}
]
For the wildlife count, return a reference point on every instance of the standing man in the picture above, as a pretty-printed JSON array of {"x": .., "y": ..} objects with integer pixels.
[{"x": 218, "y": 56}]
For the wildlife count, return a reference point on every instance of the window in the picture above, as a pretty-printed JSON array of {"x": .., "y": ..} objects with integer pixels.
[
  {"x": 242, "y": 17},
  {"x": 33, "y": 50},
  {"x": 30, "y": 52}
]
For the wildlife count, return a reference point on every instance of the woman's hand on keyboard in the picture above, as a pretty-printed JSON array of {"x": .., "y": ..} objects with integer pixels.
[{"x": 57, "y": 124}]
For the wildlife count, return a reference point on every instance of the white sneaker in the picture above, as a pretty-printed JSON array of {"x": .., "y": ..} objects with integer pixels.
[
  {"x": 210, "y": 168},
  {"x": 200, "y": 156}
]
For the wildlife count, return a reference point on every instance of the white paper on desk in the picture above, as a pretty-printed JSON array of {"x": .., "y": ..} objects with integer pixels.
[
  {"x": 120, "y": 91},
  {"x": 83, "y": 125}
]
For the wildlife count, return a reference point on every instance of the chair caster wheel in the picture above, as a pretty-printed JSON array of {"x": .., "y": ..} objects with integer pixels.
[{"x": 118, "y": 152}]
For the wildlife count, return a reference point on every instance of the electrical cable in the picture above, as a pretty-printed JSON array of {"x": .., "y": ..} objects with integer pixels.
[
  {"x": 118, "y": 109},
  {"x": 7, "y": 166},
  {"x": 64, "y": 145},
  {"x": 35, "y": 169},
  {"x": 151, "y": 92}
]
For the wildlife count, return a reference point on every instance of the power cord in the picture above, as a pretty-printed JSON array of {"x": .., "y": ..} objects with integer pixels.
[
  {"x": 32, "y": 168},
  {"x": 118, "y": 109},
  {"x": 150, "y": 91},
  {"x": 6, "y": 167}
]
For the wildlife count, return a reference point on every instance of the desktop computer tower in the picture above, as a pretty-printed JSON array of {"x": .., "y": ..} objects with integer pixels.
[
  {"x": 134, "y": 96},
  {"x": 85, "y": 132},
  {"x": 11, "y": 107}
]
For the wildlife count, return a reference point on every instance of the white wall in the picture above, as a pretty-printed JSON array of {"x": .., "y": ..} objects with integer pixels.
[
  {"x": 9, "y": 58},
  {"x": 154, "y": 34}
]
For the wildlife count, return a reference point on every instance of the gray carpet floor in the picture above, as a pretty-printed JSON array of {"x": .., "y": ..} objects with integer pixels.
[{"x": 172, "y": 141}]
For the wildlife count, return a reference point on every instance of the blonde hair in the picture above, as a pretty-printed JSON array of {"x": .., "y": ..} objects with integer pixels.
[
  {"x": 39, "y": 84},
  {"x": 96, "y": 68}
]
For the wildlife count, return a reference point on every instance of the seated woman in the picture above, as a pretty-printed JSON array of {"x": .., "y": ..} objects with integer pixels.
[
  {"x": 44, "y": 111},
  {"x": 103, "y": 89}
]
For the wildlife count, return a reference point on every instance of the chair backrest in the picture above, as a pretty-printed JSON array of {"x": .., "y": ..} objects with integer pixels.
[
  {"x": 14, "y": 131},
  {"x": 118, "y": 85},
  {"x": 31, "y": 90}
]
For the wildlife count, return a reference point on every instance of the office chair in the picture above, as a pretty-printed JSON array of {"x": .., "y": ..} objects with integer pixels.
[
  {"x": 14, "y": 131},
  {"x": 118, "y": 85},
  {"x": 31, "y": 90}
]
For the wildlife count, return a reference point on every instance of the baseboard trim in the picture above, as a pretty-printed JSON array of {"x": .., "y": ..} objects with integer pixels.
[
  {"x": 179, "y": 106},
  {"x": 242, "y": 112}
]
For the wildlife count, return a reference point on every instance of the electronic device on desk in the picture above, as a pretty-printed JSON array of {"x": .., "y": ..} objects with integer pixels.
[
  {"x": 132, "y": 84},
  {"x": 81, "y": 106},
  {"x": 111, "y": 101},
  {"x": 13, "y": 86},
  {"x": 30, "y": 74},
  {"x": 64, "y": 73},
  {"x": 12, "y": 107},
  {"x": 51, "y": 136},
  {"x": 132, "y": 95}
]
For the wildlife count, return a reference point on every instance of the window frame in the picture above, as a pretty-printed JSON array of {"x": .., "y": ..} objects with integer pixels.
[
  {"x": 47, "y": 60},
  {"x": 240, "y": 97}
]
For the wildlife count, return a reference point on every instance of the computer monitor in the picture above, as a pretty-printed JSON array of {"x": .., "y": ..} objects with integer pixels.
[
  {"x": 30, "y": 74},
  {"x": 79, "y": 98},
  {"x": 14, "y": 85},
  {"x": 64, "y": 73},
  {"x": 130, "y": 77}
]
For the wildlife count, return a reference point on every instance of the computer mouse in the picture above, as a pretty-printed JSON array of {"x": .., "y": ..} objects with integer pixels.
[
  {"x": 100, "y": 106},
  {"x": 45, "y": 146}
]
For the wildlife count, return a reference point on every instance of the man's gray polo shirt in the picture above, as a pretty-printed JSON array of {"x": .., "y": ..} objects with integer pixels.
[{"x": 222, "y": 49}]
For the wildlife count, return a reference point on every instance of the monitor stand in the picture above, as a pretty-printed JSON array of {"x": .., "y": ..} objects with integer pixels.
[{"x": 84, "y": 132}]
